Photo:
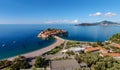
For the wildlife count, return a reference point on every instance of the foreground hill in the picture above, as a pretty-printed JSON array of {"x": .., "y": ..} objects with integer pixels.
[
  {"x": 115, "y": 38},
  {"x": 102, "y": 23}
]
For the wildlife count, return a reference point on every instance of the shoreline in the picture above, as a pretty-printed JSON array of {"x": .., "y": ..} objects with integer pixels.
[
  {"x": 39, "y": 52},
  {"x": 79, "y": 41}
]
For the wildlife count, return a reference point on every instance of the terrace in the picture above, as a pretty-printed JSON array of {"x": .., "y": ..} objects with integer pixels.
[{"x": 70, "y": 64}]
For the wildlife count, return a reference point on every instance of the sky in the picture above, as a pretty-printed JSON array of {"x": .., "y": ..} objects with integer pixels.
[{"x": 58, "y": 11}]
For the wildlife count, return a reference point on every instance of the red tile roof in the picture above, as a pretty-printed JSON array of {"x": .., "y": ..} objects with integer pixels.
[
  {"x": 91, "y": 49},
  {"x": 111, "y": 54},
  {"x": 116, "y": 45}
]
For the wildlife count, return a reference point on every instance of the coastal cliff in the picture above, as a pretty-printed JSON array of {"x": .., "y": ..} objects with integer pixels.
[{"x": 51, "y": 32}]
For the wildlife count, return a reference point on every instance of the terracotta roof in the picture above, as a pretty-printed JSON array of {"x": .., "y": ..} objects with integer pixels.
[
  {"x": 53, "y": 32},
  {"x": 116, "y": 45},
  {"x": 91, "y": 49},
  {"x": 104, "y": 50},
  {"x": 111, "y": 54}
]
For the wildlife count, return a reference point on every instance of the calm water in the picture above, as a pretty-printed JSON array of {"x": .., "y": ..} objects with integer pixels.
[{"x": 16, "y": 39}]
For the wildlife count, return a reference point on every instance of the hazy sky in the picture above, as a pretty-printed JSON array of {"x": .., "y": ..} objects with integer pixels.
[{"x": 58, "y": 11}]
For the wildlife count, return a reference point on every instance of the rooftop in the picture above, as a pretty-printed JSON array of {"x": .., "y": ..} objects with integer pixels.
[
  {"x": 116, "y": 45},
  {"x": 112, "y": 54},
  {"x": 76, "y": 49},
  {"x": 92, "y": 49}
]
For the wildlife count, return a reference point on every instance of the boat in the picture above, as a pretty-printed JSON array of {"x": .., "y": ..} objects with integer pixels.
[
  {"x": 14, "y": 42},
  {"x": 3, "y": 45}
]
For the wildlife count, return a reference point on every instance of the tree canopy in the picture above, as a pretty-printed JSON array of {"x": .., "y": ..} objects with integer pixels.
[
  {"x": 115, "y": 38},
  {"x": 96, "y": 62}
]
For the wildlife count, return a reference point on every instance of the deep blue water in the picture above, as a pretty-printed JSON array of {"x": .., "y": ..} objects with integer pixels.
[{"x": 17, "y": 39}]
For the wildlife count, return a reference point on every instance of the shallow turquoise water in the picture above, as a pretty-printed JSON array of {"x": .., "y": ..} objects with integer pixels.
[{"x": 16, "y": 39}]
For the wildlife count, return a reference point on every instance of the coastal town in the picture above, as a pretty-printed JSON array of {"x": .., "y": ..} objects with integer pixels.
[
  {"x": 59, "y": 34},
  {"x": 68, "y": 54}
]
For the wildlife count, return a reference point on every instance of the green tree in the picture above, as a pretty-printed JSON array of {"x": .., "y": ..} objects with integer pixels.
[
  {"x": 15, "y": 66},
  {"x": 115, "y": 38},
  {"x": 99, "y": 66},
  {"x": 100, "y": 43},
  {"x": 95, "y": 45},
  {"x": 39, "y": 62},
  {"x": 24, "y": 64},
  {"x": 8, "y": 68},
  {"x": 95, "y": 62},
  {"x": 20, "y": 63},
  {"x": 5, "y": 63}
]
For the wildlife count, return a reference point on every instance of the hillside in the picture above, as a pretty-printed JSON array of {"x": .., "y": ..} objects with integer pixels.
[{"x": 102, "y": 23}]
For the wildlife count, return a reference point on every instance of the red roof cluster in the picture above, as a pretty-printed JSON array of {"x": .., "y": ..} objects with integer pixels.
[
  {"x": 92, "y": 49},
  {"x": 111, "y": 54},
  {"x": 116, "y": 45}
]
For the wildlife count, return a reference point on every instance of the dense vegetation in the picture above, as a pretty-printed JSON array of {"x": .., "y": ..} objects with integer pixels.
[
  {"x": 115, "y": 38},
  {"x": 96, "y": 62},
  {"x": 41, "y": 62},
  {"x": 22, "y": 63},
  {"x": 73, "y": 44},
  {"x": 5, "y": 63},
  {"x": 115, "y": 49},
  {"x": 19, "y": 63},
  {"x": 55, "y": 50}
]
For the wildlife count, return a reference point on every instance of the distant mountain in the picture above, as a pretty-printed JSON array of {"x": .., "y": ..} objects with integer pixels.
[{"x": 102, "y": 23}]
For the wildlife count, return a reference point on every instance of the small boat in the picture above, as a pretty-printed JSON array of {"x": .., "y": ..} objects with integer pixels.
[
  {"x": 3, "y": 45},
  {"x": 14, "y": 41}
]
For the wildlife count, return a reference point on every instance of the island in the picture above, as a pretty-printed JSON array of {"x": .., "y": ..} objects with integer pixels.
[
  {"x": 51, "y": 32},
  {"x": 102, "y": 23}
]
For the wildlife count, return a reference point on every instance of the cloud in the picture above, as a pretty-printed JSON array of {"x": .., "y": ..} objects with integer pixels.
[
  {"x": 75, "y": 21},
  {"x": 61, "y": 21},
  {"x": 37, "y": 22},
  {"x": 96, "y": 14},
  {"x": 108, "y": 14}
]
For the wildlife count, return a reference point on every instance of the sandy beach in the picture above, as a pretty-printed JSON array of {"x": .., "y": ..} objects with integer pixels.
[{"x": 43, "y": 50}]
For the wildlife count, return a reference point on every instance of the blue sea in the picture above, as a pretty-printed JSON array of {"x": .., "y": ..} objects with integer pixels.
[{"x": 16, "y": 39}]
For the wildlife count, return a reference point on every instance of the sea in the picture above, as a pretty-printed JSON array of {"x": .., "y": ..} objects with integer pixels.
[{"x": 17, "y": 39}]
